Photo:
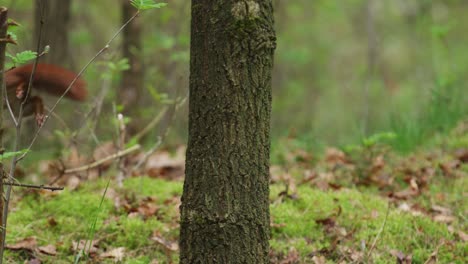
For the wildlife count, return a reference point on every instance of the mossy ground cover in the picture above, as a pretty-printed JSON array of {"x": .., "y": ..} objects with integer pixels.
[
  {"x": 354, "y": 220},
  {"x": 349, "y": 218}
]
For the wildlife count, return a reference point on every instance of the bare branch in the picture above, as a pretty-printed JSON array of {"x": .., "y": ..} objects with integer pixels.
[
  {"x": 101, "y": 161},
  {"x": 76, "y": 78},
  {"x": 177, "y": 104},
  {"x": 33, "y": 186}
]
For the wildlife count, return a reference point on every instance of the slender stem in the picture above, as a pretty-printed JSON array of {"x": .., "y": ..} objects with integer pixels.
[
  {"x": 18, "y": 140},
  {"x": 3, "y": 35},
  {"x": 382, "y": 228},
  {"x": 101, "y": 161},
  {"x": 34, "y": 186},
  {"x": 76, "y": 78}
]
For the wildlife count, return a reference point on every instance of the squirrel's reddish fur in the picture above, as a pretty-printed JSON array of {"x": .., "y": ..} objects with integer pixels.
[{"x": 47, "y": 78}]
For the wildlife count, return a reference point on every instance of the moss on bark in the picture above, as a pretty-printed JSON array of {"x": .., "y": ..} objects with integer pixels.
[{"x": 224, "y": 212}]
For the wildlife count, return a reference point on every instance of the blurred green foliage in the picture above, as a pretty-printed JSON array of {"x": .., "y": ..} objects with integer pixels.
[{"x": 332, "y": 84}]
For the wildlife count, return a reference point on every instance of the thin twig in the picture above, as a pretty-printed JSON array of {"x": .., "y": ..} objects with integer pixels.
[
  {"x": 33, "y": 186},
  {"x": 12, "y": 115},
  {"x": 18, "y": 142},
  {"x": 96, "y": 109},
  {"x": 433, "y": 257},
  {"x": 147, "y": 154},
  {"x": 99, "y": 102},
  {"x": 76, "y": 78},
  {"x": 16, "y": 159},
  {"x": 3, "y": 34},
  {"x": 151, "y": 124},
  {"x": 101, "y": 161},
  {"x": 121, "y": 144},
  {"x": 380, "y": 231},
  {"x": 59, "y": 119}
]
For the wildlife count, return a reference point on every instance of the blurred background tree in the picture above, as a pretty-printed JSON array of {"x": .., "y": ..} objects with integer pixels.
[
  {"x": 344, "y": 70},
  {"x": 132, "y": 78},
  {"x": 52, "y": 17}
]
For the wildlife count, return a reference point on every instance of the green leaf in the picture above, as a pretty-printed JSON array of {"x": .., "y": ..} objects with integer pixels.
[
  {"x": 59, "y": 133},
  {"x": 120, "y": 108},
  {"x": 132, "y": 142},
  {"x": 26, "y": 56},
  {"x": 122, "y": 65},
  {"x": 440, "y": 31},
  {"x": 7, "y": 155},
  {"x": 146, "y": 4},
  {"x": 154, "y": 93},
  {"x": 162, "y": 98},
  {"x": 378, "y": 138},
  {"x": 12, "y": 28},
  {"x": 22, "y": 57},
  {"x": 13, "y": 35}
]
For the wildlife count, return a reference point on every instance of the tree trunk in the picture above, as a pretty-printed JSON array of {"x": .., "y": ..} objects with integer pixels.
[
  {"x": 225, "y": 207},
  {"x": 132, "y": 79},
  {"x": 55, "y": 28}
]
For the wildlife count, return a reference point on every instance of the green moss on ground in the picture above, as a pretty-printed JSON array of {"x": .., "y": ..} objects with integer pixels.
[
  {"x": 357, "y": 218},
  {"x": 339, "y": 225}
]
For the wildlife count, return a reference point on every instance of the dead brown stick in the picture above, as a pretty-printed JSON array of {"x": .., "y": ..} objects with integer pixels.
[
  {"x": 33, "y": 186},
  {"x": 101, "y": 161}
]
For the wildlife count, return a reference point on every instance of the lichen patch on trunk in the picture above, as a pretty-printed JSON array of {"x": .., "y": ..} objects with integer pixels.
[{"x": 246, "y": 10}]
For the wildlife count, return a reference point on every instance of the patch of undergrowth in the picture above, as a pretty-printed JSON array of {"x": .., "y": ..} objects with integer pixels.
[
  {"x": 360, "y": 206},
  {"x": 64, "y": 218},
  {"x": 339, "y": 226},
  {"x": 342, "y": 226}
]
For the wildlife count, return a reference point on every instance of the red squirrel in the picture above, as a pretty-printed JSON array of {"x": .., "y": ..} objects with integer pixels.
[{"x": 48, "y": 78}]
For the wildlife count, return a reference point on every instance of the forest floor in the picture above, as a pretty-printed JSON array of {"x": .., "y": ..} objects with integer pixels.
[{"x": 364, "y": 205}]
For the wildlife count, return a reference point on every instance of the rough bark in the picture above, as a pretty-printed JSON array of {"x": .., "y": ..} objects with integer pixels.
[
  {"x": 225, "y": 208},
  {"x": 56, "y": 22},
  {"x": 132, "y": 79}
]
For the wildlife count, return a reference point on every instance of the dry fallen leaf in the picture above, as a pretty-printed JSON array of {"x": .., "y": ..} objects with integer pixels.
[
  {"x": 463, "y": 236},
  {"x": 462, "y": 155},
  {"x": 377, "y": 164},
  {"x": 164, "y": 165},
  {"x": 102, "y": 151},
  {"x": 404, "y": 207},
  {"x": 117, "y": 254},
  {"x": 80, "y": 245},
  {"x": 449, "y": 166},
  {"x": 52, "y": 222},
  {"x": 401, "y": 258},
  {"x": 335, "y": 156},
  {"x": 447, "y": 219},
  {"x": 319, "y": 260},
  {"x": 327, "y": 222},
  {"x": 34, "y": 261},
  {"x": 292, "y": 257},
  {"x": 405, "y": 194},
  {"x": 73, "y": 182},
  {"x": 29, "y": 243},
  {"x": 49, "y": 250},
  {"x": 148, "y": 209},
  {"x": 172, "y": 246},
  {"x": 441, "y": 210}
]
